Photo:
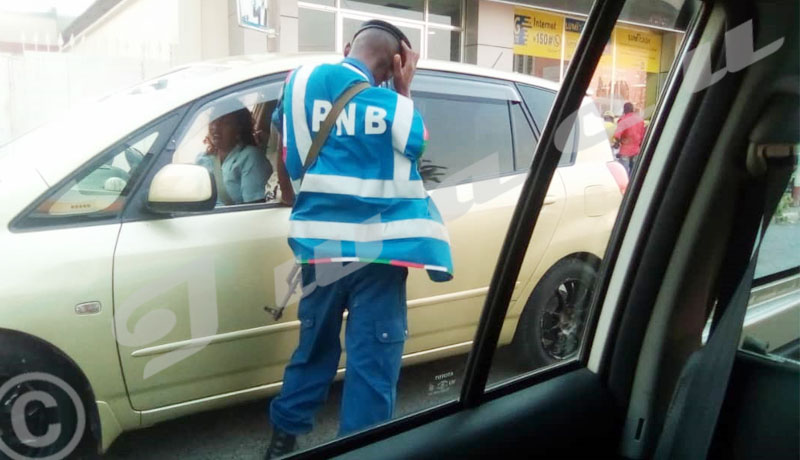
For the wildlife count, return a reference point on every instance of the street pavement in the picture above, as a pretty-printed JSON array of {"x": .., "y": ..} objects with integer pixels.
[{"x": 242, "y": 432}]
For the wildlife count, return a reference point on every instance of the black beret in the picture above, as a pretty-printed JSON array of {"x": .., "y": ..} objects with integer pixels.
[{"x": 383, "y": 25}]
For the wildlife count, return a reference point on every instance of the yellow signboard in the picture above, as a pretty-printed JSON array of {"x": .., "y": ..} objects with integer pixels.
[
  {"x": 572, "y": 32},
  {"x": 537, "y": 33},
  {"x": 638, "y": 50}
]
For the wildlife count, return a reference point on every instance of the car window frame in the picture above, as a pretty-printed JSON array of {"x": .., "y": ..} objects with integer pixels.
[
  {"x": 573, "y": 152},
  {"x": 446, "y": 75},
  {"x": 137, "y": 210},
  {"x": 23, "y": 222}
]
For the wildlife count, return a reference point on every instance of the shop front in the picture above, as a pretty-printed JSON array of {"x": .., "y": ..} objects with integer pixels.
[
  {"x": 434, "y": 27},
  {"x": 632, "y": 69}
]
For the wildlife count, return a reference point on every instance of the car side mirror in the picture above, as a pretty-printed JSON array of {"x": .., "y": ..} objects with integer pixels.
[{"x": 182, "y": 188}]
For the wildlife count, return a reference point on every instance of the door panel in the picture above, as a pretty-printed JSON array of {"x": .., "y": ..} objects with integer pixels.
[
  {"x": 190, "y": 295},
  {"x": 571, "y": 416},
  {"x": 477, "y": 217}
]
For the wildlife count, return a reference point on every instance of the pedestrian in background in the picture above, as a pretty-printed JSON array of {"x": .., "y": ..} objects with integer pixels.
[
  {"x": 361, "y": 218},
  {"x": 629, "y": 133}
]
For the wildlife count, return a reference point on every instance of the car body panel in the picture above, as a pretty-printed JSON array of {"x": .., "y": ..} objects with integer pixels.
[{"x": 60, "y": 273}]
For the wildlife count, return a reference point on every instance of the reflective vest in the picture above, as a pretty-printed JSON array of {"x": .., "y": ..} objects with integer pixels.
[{"x": 363, "y": 199}]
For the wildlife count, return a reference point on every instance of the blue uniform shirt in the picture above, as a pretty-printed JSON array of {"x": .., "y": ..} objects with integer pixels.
[
  {"x": 245, "y": 172},
  {"x": 363, "y": 199}
]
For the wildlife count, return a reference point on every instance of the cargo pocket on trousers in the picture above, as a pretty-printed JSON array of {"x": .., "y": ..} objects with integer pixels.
[
  {"x": 392, "y": 331},
  {"x": 304, "y": 348}
]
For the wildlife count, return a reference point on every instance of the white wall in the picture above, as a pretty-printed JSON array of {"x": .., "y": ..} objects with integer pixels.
[{"x": 489, "y": 41}]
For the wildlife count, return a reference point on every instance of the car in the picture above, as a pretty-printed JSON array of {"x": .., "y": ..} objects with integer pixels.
[{"x": 121, "y": 270}]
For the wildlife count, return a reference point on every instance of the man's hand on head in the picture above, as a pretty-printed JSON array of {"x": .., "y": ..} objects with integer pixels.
[{"x": 405, "y": 65}]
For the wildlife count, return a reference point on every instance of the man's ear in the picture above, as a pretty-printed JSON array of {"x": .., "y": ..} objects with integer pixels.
[{"x": 346, "y": 49}]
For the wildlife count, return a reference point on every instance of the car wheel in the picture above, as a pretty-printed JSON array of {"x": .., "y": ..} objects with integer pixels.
[
  {"x": 551, "y": 326},
  {"x": 42, "y": 414}
]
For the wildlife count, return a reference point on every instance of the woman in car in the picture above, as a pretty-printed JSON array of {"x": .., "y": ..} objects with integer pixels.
[{"x": 240, "y": 169}]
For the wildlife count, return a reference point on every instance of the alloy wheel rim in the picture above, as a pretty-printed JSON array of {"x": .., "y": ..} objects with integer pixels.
[
  {"x": 563, "y": 318},
  {"x": 37, "y": 417}
]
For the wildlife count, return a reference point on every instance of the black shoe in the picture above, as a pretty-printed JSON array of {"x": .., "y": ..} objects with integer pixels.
[{"x": 282, "y": 443}]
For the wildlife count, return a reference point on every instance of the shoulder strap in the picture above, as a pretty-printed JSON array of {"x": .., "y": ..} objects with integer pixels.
[{"x": 330, "y": 120}]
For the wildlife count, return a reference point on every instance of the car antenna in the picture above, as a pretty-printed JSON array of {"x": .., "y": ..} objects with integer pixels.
[{"x": 498, "y": 59}]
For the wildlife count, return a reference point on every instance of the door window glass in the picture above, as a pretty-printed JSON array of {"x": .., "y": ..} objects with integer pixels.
[
  {"x": 780, "y": 250},
  {"x": 524, "y": 140},
  {"x": 771, "y": 324},
  {"x": 228, "y": 136},
  {"x": 470, "y": 129},
  {"x": 539, "y": 102},
  {"x": 546, "y": 321},
  {"x": 101, "y": 189}
]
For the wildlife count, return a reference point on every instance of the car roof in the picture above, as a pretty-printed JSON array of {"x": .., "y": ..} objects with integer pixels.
[{"x": 59, "y": 147}]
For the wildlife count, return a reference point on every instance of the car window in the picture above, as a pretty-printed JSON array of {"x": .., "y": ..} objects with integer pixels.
[
  {"x": 228, "y": 135},
  {"x": 100, "y": 189},
  {"x": 539, "y": 102},
  {"x": 769, "y": 325},
  {"x": 524, "y": 139},
  {"x": 469, "y": 124},
  {"x": 547, "y": 318},
  {"x": 780, "y": 250}
]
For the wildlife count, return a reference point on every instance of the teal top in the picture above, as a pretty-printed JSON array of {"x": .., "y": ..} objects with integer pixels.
[{"x": 245, "y": 172}]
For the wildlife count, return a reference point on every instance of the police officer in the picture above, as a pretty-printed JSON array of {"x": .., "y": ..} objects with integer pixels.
[{"x": 361, "y": 218}]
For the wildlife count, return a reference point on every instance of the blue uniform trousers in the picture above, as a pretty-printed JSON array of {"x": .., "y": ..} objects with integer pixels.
[{"x": 375, "y": 298}]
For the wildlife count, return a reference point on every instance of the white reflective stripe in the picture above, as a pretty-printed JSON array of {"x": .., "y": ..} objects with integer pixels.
[
  {"x": 296, "y": 185},
  {"x": 401, "y": 129},
  {"x": 283, "y": 134},
  {"x": 364, "y": 188},
  {"x": 302, "y": 138},
  {"x": 342, "y": 231},
  {"x": 356, "y": 70}
]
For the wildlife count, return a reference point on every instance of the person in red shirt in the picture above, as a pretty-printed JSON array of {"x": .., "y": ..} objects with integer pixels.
[{"x": 629, "y": 134}]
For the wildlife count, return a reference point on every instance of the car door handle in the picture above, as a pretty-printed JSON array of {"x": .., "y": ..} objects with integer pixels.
[{"x": 549, "y": 199}]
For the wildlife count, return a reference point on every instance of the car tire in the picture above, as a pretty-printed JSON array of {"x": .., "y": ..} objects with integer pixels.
[
  {"x": 552, "y": 323},
  {"x": 29, "y": 369}
]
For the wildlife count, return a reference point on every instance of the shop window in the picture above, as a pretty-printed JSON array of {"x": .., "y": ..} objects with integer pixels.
[
  {"x": 444, "y": 44},
  {"x": 408, "y": 9},
  {"x": 445, "y": 12},
  {"x": 317, "y": 30},
  {"x": 351, "y": 25}
]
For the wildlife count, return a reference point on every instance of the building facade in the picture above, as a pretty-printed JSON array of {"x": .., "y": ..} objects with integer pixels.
[{"x": 117, "y": 43}]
